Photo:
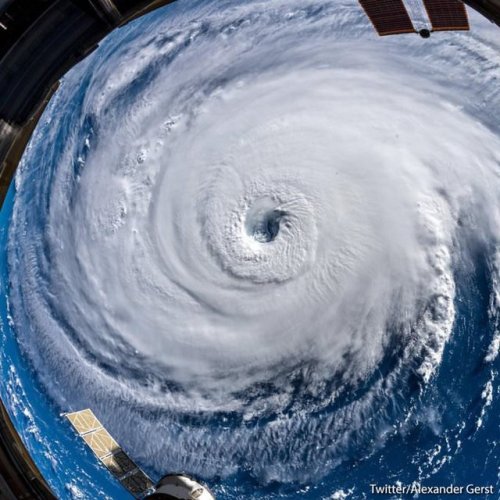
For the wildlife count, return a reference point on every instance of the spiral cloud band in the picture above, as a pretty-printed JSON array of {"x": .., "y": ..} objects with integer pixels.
[{"x": 238, "y": 228}]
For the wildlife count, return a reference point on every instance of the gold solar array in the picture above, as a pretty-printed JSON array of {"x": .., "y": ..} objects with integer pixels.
[
  {"x": 109, "y": 452},
  {"x": 83, "y": 421}
]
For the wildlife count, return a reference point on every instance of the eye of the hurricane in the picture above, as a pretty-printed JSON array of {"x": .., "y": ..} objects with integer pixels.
[
  {"x": 265, "y": 226},
  {"x": 263, "y": 221}
]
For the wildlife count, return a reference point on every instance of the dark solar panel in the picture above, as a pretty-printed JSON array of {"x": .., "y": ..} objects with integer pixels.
[
  {"x": 137, "y": 483},
  {"x": 447, "y": 14},
  {"x": 389, "y": 17}
]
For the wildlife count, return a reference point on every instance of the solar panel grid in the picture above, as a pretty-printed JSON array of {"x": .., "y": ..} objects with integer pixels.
[
  {"x": 109, "y": 452},
  {"x": 389, "y": 17},
  {"x": 101, "y": 442},
  {"x": 137, "y": 483},
  {"x": 119, "y": 463},
  {"x": 84, "y": 421},
  {"x": 447, "y": 15}
]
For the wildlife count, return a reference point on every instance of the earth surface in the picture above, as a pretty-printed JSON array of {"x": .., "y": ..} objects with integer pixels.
[{"x": 263, "y": 245}]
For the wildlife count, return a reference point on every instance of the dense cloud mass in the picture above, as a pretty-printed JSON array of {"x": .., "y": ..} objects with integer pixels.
[{"x": 238, "y": 229}]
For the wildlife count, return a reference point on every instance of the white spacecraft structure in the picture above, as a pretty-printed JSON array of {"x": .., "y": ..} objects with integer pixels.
[{"x": 130, "y": 475}]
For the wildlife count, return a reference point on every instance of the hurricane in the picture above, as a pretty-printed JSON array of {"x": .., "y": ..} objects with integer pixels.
[{"x": 262, "y": 243}]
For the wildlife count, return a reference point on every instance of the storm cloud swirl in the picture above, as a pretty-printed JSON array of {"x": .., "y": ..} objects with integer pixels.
[{"x": 238, "y": 226}]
